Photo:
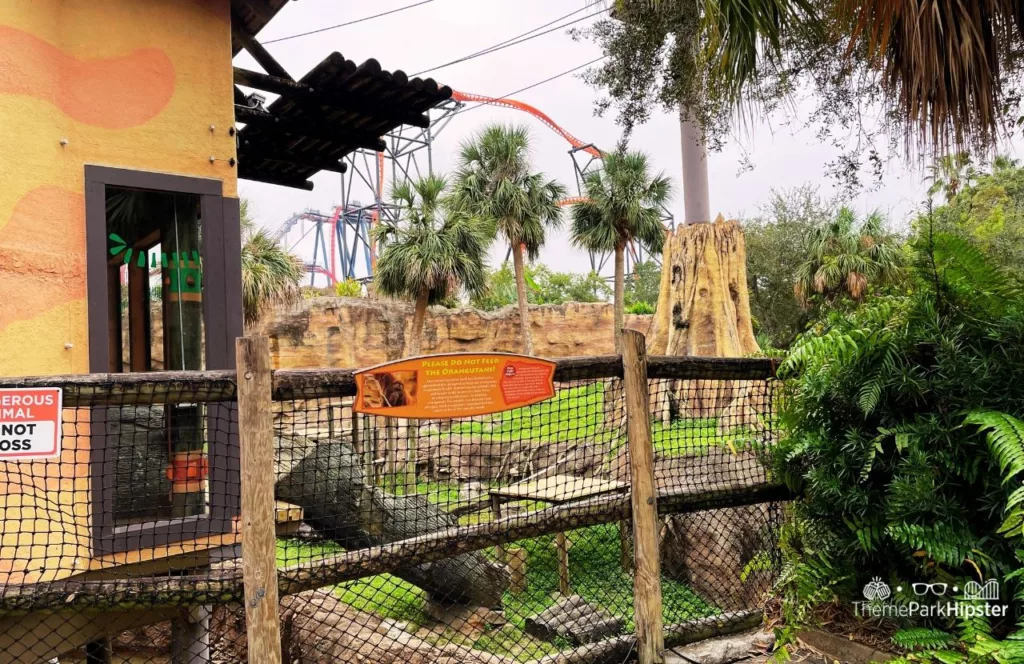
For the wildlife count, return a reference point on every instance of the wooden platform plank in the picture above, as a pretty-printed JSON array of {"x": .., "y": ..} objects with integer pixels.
[{"x": 559, "y": 489}]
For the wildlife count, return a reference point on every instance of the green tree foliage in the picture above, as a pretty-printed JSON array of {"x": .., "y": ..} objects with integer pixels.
[
  {"x": 778, "y": 242},
  {"x": 543, "y": 286},
  {"x": 936, "y": 87},
  {"x": 902, "y": 431},
  {"x": 270, "y": 273},
  {"x": 622, "y": 207},
  {"x": 495, "y": 183},
  {"x": 430, "y": 252},
  {"x": 643, "y": 284},
  {"x": 845, "y": 258},
  {"x": 985, "y": 206}
]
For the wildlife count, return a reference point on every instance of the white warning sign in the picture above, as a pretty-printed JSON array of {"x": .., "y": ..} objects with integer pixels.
[{"x": 30, "y": 423}]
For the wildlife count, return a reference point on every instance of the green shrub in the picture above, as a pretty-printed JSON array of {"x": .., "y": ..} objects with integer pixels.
[
  {"x": 640, "y": 308},
  {"x": 900, "y": 431},
  {"x": 348, "y": 288}
]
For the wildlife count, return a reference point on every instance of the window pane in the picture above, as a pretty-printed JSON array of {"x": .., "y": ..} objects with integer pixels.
[{"x": 155, "y": 247}]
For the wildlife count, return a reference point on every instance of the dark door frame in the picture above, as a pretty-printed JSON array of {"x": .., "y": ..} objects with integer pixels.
[{"x": 222, "y": 322}]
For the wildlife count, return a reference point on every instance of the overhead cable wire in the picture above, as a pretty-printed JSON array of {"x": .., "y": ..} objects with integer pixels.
[
  {"x": 534, "y": 85},
  {"x": 529, "y": 32},
  {"x": 342, "y": 25},
  {"x": 514, "y": 42}
]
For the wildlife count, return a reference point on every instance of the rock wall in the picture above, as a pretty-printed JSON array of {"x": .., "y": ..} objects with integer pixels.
[{"x": 358, "y": 332}]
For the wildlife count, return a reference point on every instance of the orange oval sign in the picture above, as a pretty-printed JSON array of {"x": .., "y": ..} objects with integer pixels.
[{"x": 454, "y": 385}]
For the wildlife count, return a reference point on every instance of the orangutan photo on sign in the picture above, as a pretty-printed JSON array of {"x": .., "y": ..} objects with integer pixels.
[{"x": 389, "y": 389}]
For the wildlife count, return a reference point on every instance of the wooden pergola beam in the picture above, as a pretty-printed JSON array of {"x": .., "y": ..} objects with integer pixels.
[
  {"x": 261, "y": 8},
  {"x": 312, "y": 129},
  {"x": 293, "y": 160},
  {"x": 354, "y": 102},
  {"x": 297, "y": 183},
  {"x": 254, "y": 48}
]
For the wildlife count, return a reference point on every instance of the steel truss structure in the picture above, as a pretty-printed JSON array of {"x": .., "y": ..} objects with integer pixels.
[{"x": 342, "y": 246}]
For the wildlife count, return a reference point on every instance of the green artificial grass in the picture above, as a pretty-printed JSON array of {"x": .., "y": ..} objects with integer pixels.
[
  {"x": 686, "y": 437},
  {"x": 595, "y": 573},
  {"x": 572, "y": 414}
]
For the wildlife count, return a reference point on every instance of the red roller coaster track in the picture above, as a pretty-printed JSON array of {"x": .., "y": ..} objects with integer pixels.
[{"x": 535, "y": 112}]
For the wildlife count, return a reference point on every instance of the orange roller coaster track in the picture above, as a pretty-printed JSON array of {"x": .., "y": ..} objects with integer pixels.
[
  {"x": 466, "y": 97},
  {"x": 535, "y": 112}
]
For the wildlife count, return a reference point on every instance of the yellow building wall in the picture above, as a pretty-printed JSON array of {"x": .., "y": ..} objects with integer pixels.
[{"x": 139, "y": 84}]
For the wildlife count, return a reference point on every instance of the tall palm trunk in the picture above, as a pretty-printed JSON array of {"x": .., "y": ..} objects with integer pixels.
[
  {"x": 696, "y": 201},
  {"x": 412, "y": 430},
  {"x": 620, "y": 305},
  {"x": 418, "y": 318},
  {"x": 524, "y": 313}
]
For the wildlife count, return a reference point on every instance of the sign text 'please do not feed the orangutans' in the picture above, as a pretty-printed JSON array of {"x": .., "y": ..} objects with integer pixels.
[{"x": 454, "y": 385}]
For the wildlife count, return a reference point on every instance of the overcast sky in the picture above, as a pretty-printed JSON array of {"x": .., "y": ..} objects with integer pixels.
[{"x": 443, "y": 30}]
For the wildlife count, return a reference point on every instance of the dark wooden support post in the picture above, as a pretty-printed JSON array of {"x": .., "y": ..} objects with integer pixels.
[
  {"x": 499, "y": 550},
  {"x": 412, "y": 434},
  {"x": 256, "y": 437},
  {"x": 562, "y": 549},
  {"x": 115, "y": 337},
  {"x": 650, "y": 638},
  {"x": 190, "y": 636},
  {"x": 625, "y": 554},
  {"x": 357, "y": 439},
  {"x": 138, "y": 318}
]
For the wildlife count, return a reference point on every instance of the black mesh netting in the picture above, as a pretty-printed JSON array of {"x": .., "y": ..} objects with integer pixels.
[{"x": 494, "y": 539}]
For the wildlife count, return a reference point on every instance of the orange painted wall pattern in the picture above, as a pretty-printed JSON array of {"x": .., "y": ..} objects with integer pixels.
[
  {"x": 32, "y": 258},
  {"x": 144, "y": 85},
  {"x": 117, "y": 92}
]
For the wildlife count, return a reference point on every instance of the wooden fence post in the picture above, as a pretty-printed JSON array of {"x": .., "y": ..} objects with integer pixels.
[
  {"x": 650, "y": 637},
  {"x": 256, "y": 437}
]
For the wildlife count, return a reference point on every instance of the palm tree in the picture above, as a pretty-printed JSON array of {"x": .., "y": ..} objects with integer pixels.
[
  {"x": 846, "y": 257},
  {"x": 494, "y": 183},
  {"x": 951, "y": 173},
  {"x": 623, "y": 205},
  {"x": 270, "y": 273},
  {"x": 430, "y": 252}
]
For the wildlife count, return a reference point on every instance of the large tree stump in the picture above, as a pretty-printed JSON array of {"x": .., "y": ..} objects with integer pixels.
[
  {"x": 329, "y": 486},
  {"x": 703, "y": 311}
]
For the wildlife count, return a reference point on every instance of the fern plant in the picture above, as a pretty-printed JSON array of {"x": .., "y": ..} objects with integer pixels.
[{"x": 902, "y": 430}]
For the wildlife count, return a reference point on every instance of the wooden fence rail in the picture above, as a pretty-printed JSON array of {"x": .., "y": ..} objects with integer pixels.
[
  {"x": 82, "y": 390},
  {"x": 226, "y": 587}
]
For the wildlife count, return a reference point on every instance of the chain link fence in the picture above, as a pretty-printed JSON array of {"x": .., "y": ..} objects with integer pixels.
[{"x": 494, "y": 539}]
